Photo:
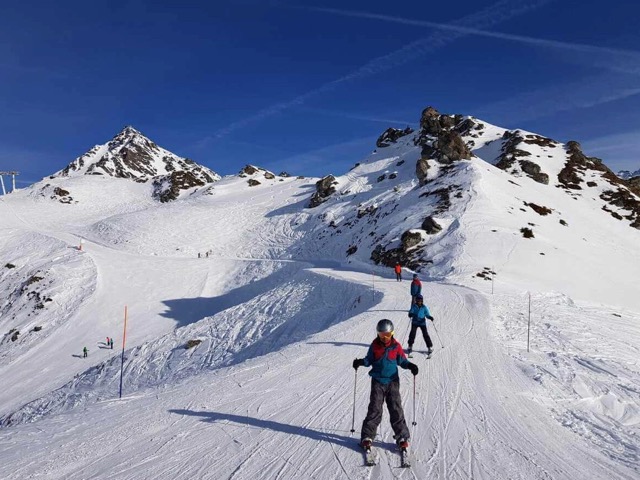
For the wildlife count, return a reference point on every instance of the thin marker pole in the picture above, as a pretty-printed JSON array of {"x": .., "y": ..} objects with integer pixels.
[
  {"x": 529, "y": 322},
  {"x": 373, "y": 289},
  {"x": 124, "y": 339}
]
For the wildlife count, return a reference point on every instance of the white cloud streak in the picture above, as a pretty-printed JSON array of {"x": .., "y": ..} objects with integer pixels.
[
  {"x": 355, "y": 116},
  {"x": 326, "y": 158},
  {"x": 494, "y": 14},
  {"x": 621, "y": 151},
  {"x": 616, "y": 59},
  {"x": 585, "y": 93}
]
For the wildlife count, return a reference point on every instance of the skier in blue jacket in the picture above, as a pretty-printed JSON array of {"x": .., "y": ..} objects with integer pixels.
[
  {"x": 418, "y": 314},
  {"x": 416, "y": 288},
  {"x": 384, "y": 357}
]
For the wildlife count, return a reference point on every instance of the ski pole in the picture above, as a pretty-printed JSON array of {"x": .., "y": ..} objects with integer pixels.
[
  {"x": 414, "y": 401},
  {"x": 353, "y": 417},
  {"x": 434, "y": 327}
]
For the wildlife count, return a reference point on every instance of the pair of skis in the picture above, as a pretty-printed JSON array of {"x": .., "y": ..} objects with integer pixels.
[
  {"x": 371, "y": 459},
  {"x": 410, "y": 355}
]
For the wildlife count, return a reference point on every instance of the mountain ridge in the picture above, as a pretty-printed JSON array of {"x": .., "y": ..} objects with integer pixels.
[{"x": 130, "y": 155}]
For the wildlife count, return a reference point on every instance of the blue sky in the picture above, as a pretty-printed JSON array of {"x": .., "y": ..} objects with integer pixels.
[{"x": 306, "y": 86}]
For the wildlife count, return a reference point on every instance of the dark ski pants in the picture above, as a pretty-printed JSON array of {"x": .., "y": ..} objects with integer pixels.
[
  {"x": 379, "y": 394},
  {"x": 425, "y": 334},
  {"x": 399, "y": 277}
]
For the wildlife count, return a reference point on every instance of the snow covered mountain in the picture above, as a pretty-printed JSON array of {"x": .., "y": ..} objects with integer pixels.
[
  {"x": 248, "y": 298},
  {"x": 626, "y": 174},
  {"x": 131, "y": 155}
]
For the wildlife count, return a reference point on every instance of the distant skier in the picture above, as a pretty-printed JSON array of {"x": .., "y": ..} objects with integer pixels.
[
  {"x": 416, "y": 288},
  {"x": 418, "y": 315},
  {"x": 384, "y": 356},
  {"x": 107, "y": 341},
  {"x": 111, "y": 343},
  {"x": 398, "y": 270},
  {"x": 85, "y": 352}
]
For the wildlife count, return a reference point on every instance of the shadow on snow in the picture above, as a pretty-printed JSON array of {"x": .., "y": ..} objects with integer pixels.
[{"x": 320, "y": 436}]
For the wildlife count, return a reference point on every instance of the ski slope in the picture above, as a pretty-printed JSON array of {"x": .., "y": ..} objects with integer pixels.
[
  {"x": 287, "y": 414},
  {"x": 281, "y": 311}
]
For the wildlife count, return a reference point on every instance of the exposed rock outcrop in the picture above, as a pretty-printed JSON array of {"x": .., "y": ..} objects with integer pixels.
[
  {"x": 422, "y": 170},
  {"x": 325, "y": 187},
  {"x": 450, "y": 147},
  {"x": 410, "y": 239},
  {"x": 168, "y": 187},
  {"x": 391, "y": 135},
  {"x": 512, "y": 155},
  {"x": 430, "y": 226}
]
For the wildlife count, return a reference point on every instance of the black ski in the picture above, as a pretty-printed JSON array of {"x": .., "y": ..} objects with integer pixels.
[{"x": 405, "y": 462}]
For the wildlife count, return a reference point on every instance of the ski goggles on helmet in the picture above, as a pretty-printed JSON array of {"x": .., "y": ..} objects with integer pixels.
[{"x": 385, "y": 334}]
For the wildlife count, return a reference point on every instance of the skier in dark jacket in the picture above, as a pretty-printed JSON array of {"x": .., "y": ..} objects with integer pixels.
[
  {"x": 85, "y": 352},
  {"x": 418, "y": 315},
  {"x": 384, "y": 356},
  {"x": 416, "y": 288}
]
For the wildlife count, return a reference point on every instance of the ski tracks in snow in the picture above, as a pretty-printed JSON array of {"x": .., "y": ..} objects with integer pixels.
[{"x": 286, "y": 413}]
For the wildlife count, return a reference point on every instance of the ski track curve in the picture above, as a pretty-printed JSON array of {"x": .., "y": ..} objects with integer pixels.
[{"x": 287, "y": 414}]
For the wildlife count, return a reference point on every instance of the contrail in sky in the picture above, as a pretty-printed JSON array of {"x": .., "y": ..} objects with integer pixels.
[
  {"x": 496, "y": 13},
  {"x": 610, "y": 54}
]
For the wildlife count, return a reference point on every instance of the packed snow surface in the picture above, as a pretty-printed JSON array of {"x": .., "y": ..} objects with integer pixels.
[{"x": 274, "y": 312}]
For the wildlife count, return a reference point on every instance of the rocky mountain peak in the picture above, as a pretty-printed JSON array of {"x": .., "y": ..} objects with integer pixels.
[{"x": 131, "y": 155}]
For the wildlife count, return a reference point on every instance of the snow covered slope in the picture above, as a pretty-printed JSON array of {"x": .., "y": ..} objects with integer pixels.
[{"x": 248, "y": 298}]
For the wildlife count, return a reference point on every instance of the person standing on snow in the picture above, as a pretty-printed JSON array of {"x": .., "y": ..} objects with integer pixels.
[
  {"x": 85, "y": 352},
  {"x": 416, "y": 288},
  {"x": 384, "y": 356},
  {"x": 398, "y": 270},
  {"x": 418, "y": 315},
  {"x": 111, "y": 343}
]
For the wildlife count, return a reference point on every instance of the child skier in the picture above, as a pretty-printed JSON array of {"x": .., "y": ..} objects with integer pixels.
[
  {"x": 418, "y": 315},
  {"x": 416, "y": 288},
  {"x": 384, "y": 356}
]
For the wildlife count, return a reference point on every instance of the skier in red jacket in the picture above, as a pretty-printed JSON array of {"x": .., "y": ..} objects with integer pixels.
[{"x": 398, "y": 270}]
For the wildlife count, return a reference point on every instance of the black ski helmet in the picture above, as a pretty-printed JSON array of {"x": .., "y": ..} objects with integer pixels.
[
  {"x": 419, "y": 297},
  {"x": 384, "y": 325}
]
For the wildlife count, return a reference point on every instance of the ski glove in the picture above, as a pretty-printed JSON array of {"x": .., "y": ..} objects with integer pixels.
[
  {"x": 411, "y": 315},
  {"x": 430, "y": 318},
  {"x": 413, "y": 367},
  {"x": 358, "y": 362}
]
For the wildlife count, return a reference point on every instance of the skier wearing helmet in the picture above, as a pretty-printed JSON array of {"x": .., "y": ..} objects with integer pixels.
[
  {"x": 418, "y": 314},
  {"x": 384, "y": 356}
]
